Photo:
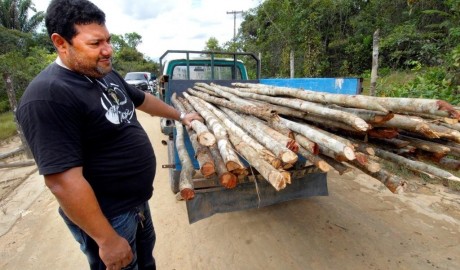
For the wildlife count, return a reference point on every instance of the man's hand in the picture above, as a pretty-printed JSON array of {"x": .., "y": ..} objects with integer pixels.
[
  {"x": 189, "y": 117},
  {"x": 116, "y": 253}
]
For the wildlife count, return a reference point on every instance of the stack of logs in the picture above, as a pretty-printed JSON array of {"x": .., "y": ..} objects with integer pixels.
[{"x": 271, "y": 127}]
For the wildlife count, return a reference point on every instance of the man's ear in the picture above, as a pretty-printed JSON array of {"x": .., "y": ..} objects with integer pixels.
[{"x": 59, "y": 42}]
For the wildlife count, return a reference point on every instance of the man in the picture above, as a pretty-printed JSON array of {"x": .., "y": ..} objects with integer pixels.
[{"x": 79, "y": 118}]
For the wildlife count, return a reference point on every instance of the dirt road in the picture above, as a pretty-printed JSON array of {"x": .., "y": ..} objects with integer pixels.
[{"x": 360, "y": 225}]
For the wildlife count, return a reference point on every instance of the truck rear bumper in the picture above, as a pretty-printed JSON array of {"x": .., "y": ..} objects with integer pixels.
[{"x": 245, "y": 196}]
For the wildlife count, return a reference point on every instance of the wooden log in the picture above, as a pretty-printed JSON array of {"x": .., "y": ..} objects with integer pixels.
[
  {"x": 418, "y": 166},
  {"x": 12, "y": 153},
  {"x": 276, "y": 125},
  {"x": 314, "y": 159},
  {"x": 419, "y": 105},
  {"x": 362, "y": 161},
  {"x": 393, "y": 142},
  {"x": 280, "y": 150},
  {"x": 226, "y": 178},
  {"x": 393, "y": 182},
  {"x": 367, "y": 115},
  {"x": 328, "y": 123},
  {"x": 232, "y": 162},
  {"x": 337, "y": 165},
  {"x": 410, "y": 123},
  {"x": 280, "y": 110},
  {"x": 309, "y": 145},
  {"x": 17, "y": 164},
  {"x": 202, "y": 155},
  {"x": 259, "y": 111},
  {"x": 355, "y": 101},
  {"x": 427, "y": 145},
  {"x": 306, "y": 106},
  {"x": 442, "y": 162},
  {"x": 290, "y": 143},
  {"x": 276, "y": 178},
  {"x": 187, "y": 191},
  {"x": 205, "y": 137},
  {"x": 383, "y": 133},
  {"x": 321, "y": 139},
  {"x": 231, "y": 127}
]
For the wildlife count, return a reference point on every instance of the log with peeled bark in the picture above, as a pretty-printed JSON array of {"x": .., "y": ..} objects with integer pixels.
[
  {"x": 187, "y": 106},
  {"x": 393, "y": 182},
  {"x": 204, "y": 136},
  {"x": 410, "y": 123},
  {"x": 186, "y": 175},
  {"x": 290, "y": 143},
  {"x": 337, "y": 165},
  {"x": 363, "y": 161},
  {"x": 234, "y": 98},
  {"x": 419, "y": 105},
  {"x": 276, "y": 125},
  {"x": 315, "y": 159},
  {"x": 231, "y": 127},
  {"x": 428, "y": 146},
  {"x": 232, "y": 162},
  {"x": 394, "y": 142},
  {"x": 226, "y": 178},
  {"x": 321, "y": 139},
  {"x": 306, "y": 106},
  {"x": 418, "y": 166},
  {"x": 280, "y": 110},
  {"x": 259, "y": 111},
  {"x": 355, "y": 101},
  {"x": 307, "y": 144},
  {"x": 280, "y": 150},
  {"x": 367, "y": 115},
  {"x": 202, "y": 155},
  {"x": 276, "y": 178},
  {"x": 328, "y": 123}
]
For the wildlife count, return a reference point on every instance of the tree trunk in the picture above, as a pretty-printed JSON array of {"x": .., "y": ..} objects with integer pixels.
[
  {"x": 337, "y": 165},
  {"x": 231, "y": 127},
  {"x": 322, "y": 140},
  {"x": 202, "y": 155},
  {"x": 306, "y": 106},
  {"x": 14, "y": 105},
  {"x": 315, "y": 159},
  {"x": 307, "y": 144},
  {"x": 228, "y": 154},
  {"x": 226, "y": 178},
  {"x": 259, "y": 111},
  {"x": 354, "y": 101},
  {"x": 375, "y": 62},
  {"x": 280, "y": 150},
  {"x": 272, "y": 175},
  {"x": 186, "y": 175}
]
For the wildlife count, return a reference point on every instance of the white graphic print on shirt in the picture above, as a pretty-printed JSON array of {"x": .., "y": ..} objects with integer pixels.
[{"x": 115, "y": 102}]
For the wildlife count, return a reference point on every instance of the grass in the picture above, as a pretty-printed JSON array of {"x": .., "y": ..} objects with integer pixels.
[
  {"x": 386, "y": 82},
  {"x": 7, "y": 126}
]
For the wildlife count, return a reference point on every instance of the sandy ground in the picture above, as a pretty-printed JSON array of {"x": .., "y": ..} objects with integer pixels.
[{"x": 360, "y": 225}]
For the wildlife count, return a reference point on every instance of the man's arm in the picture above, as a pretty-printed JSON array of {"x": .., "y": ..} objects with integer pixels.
[
  {"x": 156, "y": 107},
  {"x": 77, "y": 200}
]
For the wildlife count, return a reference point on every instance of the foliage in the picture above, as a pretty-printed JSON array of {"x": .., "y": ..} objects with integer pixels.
[
  {"x": 7, "y": 125},
  {"x": 14, "y": 14}
]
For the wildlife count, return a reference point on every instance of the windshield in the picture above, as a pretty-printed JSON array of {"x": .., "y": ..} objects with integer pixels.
[
  {"x": 205, "y": 73},
  {"x": 136, "y": 76}
]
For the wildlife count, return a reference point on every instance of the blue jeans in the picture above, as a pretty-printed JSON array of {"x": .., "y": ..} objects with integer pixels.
[{"x": 135, "y": 226}]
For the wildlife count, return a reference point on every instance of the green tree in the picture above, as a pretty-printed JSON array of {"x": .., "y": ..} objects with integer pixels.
[
  {"x": 212, "y": 45},
  {"x": 14, "y": 14}
]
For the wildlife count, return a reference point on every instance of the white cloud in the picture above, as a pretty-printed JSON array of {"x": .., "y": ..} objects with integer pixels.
[{"x": 172, "y": 24}]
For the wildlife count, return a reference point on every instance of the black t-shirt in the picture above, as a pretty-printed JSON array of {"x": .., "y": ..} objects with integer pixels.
[{"x": 70, "y": 120}]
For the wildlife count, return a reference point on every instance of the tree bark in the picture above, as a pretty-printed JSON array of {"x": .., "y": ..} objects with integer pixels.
[
  {"x": 306, "y": 106},
  {"x": 375, "y": 62},
  {"x": 202, "y": 155},
  {"x": 337, "y": 165},
  {"x": 322, "y": 140},
  {"x": 231, "y": 127},
  {"x": 280, "y": 150},
  {"x": 276, "y": 178},
  {"x": 232, "y": 162},
  {"x": 355, "y": 101},
  {"x": 186, "y": 175},
  {"x": 226, "y": 178}
]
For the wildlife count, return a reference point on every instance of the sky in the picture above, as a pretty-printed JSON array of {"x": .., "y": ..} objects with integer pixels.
[{"x": 171, "y": 24}]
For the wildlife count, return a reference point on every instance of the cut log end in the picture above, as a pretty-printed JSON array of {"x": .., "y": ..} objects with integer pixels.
[
  {"x": 277, "y": 180},
  {"x": 208, "y": 169},
  {"x": 228, "y": 180},
  {"x": 348, "y": 153},
  {"x": 187, "y": 194},
  {"x": 289, "y": 157},
  {"x": 323, "y": 166}
]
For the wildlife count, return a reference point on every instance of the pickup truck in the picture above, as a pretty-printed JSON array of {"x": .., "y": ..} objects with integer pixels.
[{"x": 182, "y": 73}]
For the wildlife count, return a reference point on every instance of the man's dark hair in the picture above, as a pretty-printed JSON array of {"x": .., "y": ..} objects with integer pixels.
[{"x": 63, "y": 15}]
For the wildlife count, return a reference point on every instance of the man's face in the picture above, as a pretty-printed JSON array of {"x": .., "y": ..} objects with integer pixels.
[{"x": 90, "y": 52}]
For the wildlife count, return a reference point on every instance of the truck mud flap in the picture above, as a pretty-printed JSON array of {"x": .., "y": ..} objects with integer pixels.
[{"x": 246, "y": 196}]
